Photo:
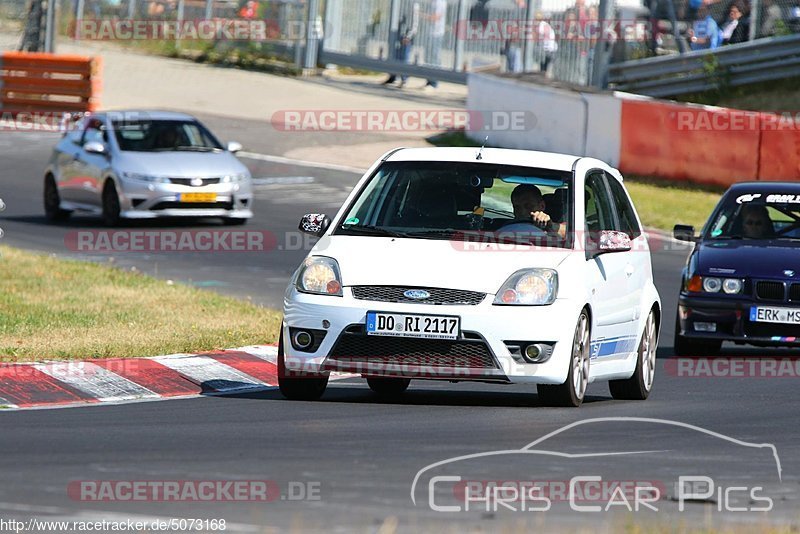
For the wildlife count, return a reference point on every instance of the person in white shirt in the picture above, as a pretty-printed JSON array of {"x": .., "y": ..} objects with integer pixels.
[
  {"x": 438, "y": 17},
  {"x": 547, "y": 41}
]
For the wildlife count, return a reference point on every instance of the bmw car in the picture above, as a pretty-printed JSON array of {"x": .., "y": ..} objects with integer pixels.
[
  {"x": 143, "y": 165},
  {"x": 466, "y": 264},
  {"x": 741, "y": 282}
]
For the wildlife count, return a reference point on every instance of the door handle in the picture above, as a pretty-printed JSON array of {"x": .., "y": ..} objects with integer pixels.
[{"x": 629, "y": 270}]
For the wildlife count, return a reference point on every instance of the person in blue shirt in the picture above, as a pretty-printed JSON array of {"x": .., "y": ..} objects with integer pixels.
[{"x": 705, "y": 33}]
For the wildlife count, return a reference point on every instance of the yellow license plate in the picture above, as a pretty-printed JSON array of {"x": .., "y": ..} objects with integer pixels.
[{"x": 198, "y": 197}]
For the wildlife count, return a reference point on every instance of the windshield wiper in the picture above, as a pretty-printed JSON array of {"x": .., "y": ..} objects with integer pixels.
[{"x": 368, "y": 229}]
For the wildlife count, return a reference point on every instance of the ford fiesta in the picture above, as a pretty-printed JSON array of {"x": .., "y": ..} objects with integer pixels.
[
  {"x": 741, "y": 282},
  {"x": 488, "y": 265}
]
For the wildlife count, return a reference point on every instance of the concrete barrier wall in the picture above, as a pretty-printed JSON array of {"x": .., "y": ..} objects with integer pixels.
[
  {"x": 558, "y": 117},
  {"x": 643, "y": 135}
]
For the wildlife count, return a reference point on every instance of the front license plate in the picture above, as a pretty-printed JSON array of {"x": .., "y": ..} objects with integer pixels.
[
  {"x": 769, "y": 314},
  {"x": 197, "y": 197},
  {"x": 412, "y": 325}
]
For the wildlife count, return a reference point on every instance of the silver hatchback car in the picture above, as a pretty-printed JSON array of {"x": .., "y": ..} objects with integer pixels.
[{"x": 146, "y": 164}]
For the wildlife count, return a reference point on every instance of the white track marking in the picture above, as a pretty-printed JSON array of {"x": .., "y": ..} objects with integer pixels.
[
  {"x": 209, "y": 372},
  {"x": 98, "y": 382}
]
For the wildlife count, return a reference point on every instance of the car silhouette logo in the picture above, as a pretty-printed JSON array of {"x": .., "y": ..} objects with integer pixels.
[
  {"x": 197, "y": 182},
  {"x": 788, "y": 272},
  {"x": 416, "y": 294}
]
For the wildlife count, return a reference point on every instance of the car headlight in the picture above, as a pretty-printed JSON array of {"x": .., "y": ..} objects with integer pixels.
[
  {"x": 145, "y": 177},
  {"x": 529, "y": 287},
  {"x": 731, "y": 286},
  {"x": 319, "y": 275},
  {"x": 232, "y": 178},
  {"x": 713, "y": 284}
]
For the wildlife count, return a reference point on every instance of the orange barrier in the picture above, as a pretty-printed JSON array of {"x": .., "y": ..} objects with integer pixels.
[
  {"x": 691, "y": 143},
  {"x": 707, "y": 145},
  {"x": 50, "y": 83},
  {"x": 779, "y": 154}
]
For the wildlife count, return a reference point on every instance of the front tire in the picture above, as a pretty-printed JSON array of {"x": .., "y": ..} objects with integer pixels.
[
  {"x": 300, "y": 386},
  {"x": 684, "y": 346},
  {"x": 111, "y": 207},
  {"x": 52, "y": 202},
  {"x": 388, "y": 387},
  {"x": 573, "y": 390},
  {"x": 638, "y": 386}
]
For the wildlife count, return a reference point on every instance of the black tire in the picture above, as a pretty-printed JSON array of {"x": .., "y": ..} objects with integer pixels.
[
  {"x": 638, "y": 386},
  {"x": 684, "y": 346},
  {"x": 111, "y": 207},
  {"x": 573, "y": 390},
  {"x": 300, "y": 386},
  {"x": 231, "y": 221},
  {"x": 388, "y": 387},
  {"x": 52, "y": 202}
]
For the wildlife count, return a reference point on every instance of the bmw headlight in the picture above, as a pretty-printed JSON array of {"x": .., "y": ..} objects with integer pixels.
[
  {"x": 145, "y": 177},
  {"x": 529, "y": 287},
  {"x": 233, "y": 178},
  {"x": 319, "y": 275},
  {"x": 731, "y": 286},
  {"x": 711, "y": 284}
]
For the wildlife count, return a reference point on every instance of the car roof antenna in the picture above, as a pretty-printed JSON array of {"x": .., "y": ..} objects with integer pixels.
[{"x": 479, "y": 156}]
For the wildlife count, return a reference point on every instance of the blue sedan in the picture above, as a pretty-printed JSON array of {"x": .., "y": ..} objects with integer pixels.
[{"x": 741, "y": 282}]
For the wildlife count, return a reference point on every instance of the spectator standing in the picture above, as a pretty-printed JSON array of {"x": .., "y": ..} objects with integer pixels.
[
  {"x": 513, "y": 45},
  {"x": 438, "y": 17},
  {"x": 704, "y": 34},
  {"x": 407, "y": 32},
  {"x": 736, "y": 28},
  {"x": 547, "y": 41},
  {"x": 770, "y": 18}
]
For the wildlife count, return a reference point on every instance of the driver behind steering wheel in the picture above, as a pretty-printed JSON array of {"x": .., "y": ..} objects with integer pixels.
[{"x": 529, "y": 211}]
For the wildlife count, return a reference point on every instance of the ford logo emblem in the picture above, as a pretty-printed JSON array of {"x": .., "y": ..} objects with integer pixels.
[{"x": 416, "y": 294}]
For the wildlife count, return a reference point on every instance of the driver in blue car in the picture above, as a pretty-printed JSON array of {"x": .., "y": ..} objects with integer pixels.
[
  {"x": 529, "y": 208},
  {"x": 756, "y": 223}
]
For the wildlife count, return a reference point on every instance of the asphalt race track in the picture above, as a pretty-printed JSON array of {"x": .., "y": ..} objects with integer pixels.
[{"x": 349, "y": 460}]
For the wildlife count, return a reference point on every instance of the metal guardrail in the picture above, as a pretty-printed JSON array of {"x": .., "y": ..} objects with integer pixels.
[{"x": 759, "y": 61}]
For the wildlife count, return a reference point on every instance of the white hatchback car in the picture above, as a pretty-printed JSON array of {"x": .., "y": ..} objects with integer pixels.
[{"x": 489, "y": 265}]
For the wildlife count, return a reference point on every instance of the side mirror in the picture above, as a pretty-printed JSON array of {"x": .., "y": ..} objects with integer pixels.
[
  {"x": 613, "y": 241},
  {"x": 234, "y": 147},
  {"x": 95, "y": 147},
  {"x": 314, "y": 223},
  {"x": 684, "y": 232}
]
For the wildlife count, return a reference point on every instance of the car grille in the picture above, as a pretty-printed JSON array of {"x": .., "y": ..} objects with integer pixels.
[
  {"x": 188, "y": 181},
  {"x": 794, "y": 292},
  {"x": 767, "y": 290},
  {"x": 462, "y": 353},
  {"x": 193, "y": 205},
  {"x": 437, "y": 295}
]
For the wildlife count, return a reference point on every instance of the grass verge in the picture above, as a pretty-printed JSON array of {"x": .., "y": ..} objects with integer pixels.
[
  {"x": 64, "y": 309},
  {"x": 660, "y": 203}
]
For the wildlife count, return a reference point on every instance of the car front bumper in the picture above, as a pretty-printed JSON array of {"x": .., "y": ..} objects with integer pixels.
[
  {"x": 481, "y": 353},
  {"x": 143, "y": 200},
  {"x": 731, "y": 318}
]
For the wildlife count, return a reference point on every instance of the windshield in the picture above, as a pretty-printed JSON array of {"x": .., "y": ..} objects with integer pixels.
[
  {"x": 164, "y": 136},
  {"x": 455, "y": 200},
  {"x": 757, "y": 216}
]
